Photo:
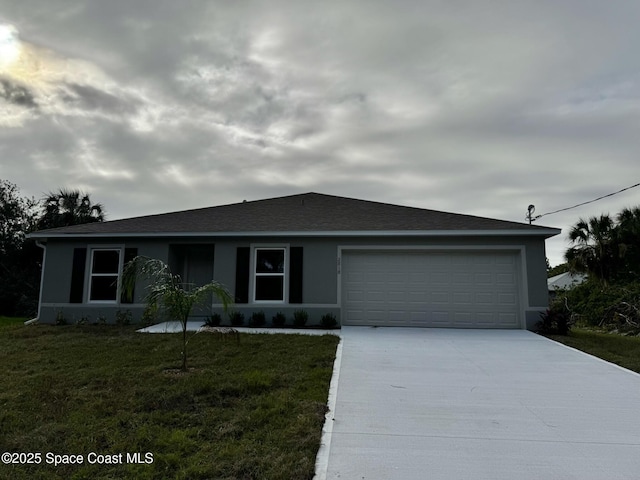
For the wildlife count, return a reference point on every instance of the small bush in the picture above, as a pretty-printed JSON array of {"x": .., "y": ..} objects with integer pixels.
[
  {"x": 328, "y": 320},
  {"x": 236, "y": 319},
  {"x": 555, "y": 320},
  {"x": 101, "y": 319},
  {"x": 150, "y": 314},
  {"x": 60, "y": 318},
  {"x": 300, "y": 318},
  {"x": 214, "y": 320},
  {"x": 279, "y": 319},
  {"x": 257, "y": 319},
  {"x": 124, "y": 318}
]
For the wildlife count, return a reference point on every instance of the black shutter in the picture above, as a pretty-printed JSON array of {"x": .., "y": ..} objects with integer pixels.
[
  {"x": 295, "y": 275},
  {"x": 77, "y": 275},
  {"x": 129, "y": 254},
  {"x": 242, "y": 275}
]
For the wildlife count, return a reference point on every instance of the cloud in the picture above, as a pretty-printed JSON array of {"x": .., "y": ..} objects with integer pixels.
[
  {"x": 479, "y": 108},
  {"x": 17, "y": 94}
]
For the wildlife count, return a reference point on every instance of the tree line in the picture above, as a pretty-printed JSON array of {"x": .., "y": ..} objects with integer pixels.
[
  {"x": 606, "y": 247},
  {"x": 21, "y": 258}
]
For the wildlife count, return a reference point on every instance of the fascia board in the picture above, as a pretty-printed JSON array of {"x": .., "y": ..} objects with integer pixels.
[{"x": 546, "y": 232}]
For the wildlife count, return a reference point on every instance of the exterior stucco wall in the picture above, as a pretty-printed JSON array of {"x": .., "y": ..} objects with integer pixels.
[
  {"x": 56, "y": 282},
  {"x": 320, "y": 270}
]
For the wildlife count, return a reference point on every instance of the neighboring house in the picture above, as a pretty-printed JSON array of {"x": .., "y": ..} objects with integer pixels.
[
  {"x": 564, "y": 281},
  {"x": 368, "y": 263}
]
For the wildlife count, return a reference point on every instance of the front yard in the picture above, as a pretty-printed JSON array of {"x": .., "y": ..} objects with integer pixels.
[
  {"x": 618, "y": 349},
  {"x": 243, "y": 411}
]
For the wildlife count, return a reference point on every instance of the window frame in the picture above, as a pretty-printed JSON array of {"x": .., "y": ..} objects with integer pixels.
[
  {"x": 284, "y": 274},
  {"x": 91, "y": 275}
]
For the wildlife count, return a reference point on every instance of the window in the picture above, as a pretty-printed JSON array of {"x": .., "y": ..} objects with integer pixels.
[
  {"x": 105, "y": 270},
  {"x": 269, "y": 283}
]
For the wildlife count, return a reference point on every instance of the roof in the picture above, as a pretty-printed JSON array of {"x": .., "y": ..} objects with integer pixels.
[
  {"x": 565, "y": 280},
  {"x": 304, "y": 214}
]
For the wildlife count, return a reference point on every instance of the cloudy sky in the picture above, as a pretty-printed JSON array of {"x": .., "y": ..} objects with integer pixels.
[{"x": 464, "y": 106}]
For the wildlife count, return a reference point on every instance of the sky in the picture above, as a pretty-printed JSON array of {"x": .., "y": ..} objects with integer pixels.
[{"x": 481, "y": 108}]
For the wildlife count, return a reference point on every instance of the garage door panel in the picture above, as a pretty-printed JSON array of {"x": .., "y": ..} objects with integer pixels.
[
  {"x": 505, "y": 278},
  {"x": 461, "y": 299},
  {"x": 487, "y": 298},
  {"x": 456, "y": 289},
  {"x": 439, "y": 277},
  {"x": 439, "y": 298},
  {"x": 397, "y": 296},
  {"x": 483, "y": 279},
  {"x": 507, "y": 299}
]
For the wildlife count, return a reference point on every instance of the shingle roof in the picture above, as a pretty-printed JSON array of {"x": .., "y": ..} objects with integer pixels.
[{"x": 304, "y": 213}]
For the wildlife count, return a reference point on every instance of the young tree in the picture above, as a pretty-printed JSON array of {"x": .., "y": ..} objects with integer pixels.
[
  {"x": 69, "y": 207},
  {"x": 167, "y": 290}
]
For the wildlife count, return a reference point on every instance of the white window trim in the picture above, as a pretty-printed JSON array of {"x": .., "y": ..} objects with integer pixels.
[
  {"x": 90, "y": 274},
  {"x": 284, "y": 274}
]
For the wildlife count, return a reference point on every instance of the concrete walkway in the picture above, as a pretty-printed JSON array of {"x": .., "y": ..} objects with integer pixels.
[
  {"x": 477, "y": 404},
  {"x": 176, "y": 327}
]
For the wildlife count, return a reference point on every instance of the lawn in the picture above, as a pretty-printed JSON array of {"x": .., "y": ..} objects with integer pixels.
[
  {"x": 618, "y": 349},
  {"x": 243, "y": 411}
]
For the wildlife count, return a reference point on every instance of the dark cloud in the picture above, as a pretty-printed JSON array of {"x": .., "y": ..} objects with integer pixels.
[
  {"x": 17, "y": 94},
  {"x": 90, "y": 98}
]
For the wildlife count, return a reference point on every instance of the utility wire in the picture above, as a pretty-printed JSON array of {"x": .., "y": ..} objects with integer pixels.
[{"x": 585, "y": 203}]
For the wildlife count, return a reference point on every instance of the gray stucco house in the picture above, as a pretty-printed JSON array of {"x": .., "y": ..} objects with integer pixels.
[{"x": 368, "y": 263}]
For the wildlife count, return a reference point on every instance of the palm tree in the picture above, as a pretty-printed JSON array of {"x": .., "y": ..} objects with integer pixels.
[
  {"x": 629, "y": 239},
  {"x": 167, "y": 291},
  {"x": 595, "y": 248},
  {"x": 69, "y": 207}
]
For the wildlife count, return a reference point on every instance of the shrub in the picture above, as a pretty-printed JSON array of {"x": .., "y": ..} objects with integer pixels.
[
  {"x": 593, "y": 304},
  {"x": 300, "y": 318},
  {"x": 279, "y": 319},
  {"x": 328, "y": 320},
  {"x": 150, "y": 314},
  {"x": 101, "y": 319},
  {"x": 236, "y": 319},
  {"x": 555, "y": 320},
  {"x": 124, "y": 317},
  {"x": 214, "y": 320},
  {"x": 257, "y": 319},
  {"x": 60, "y": 318}
]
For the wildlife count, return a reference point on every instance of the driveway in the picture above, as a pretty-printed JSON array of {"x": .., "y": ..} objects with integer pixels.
[{"x": 478, "y": 404}]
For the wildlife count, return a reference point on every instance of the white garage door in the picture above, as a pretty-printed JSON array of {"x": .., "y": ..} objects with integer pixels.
[{"x": 449, "y": 289}]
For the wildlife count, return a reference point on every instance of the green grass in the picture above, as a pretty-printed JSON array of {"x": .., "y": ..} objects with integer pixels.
[
  {"x": 11, "y": 321},
  {"x": 618, "y": 349},
  {"x": 252, "y": 410}
]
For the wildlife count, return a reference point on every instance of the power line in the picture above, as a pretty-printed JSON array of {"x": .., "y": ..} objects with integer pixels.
[{"x": 531, "y": 219}]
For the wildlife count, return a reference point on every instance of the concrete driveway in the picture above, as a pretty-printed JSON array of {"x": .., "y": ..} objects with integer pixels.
[{"x": 477, "y": 404}]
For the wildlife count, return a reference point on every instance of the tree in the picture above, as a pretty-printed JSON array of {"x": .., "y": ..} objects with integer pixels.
[
  {"x": 595, "y": 248},
  {"x": 167, "y": 290},
  {"x": 69, "y": 207},
  {"x": 557, "y": 270},
  {"x": 17, "y": 217},
  {"x": 628, "y": 237},
  {"x": 20, "y": 259}
]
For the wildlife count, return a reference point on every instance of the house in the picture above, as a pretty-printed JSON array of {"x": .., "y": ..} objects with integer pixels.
[
  {"x": 564, "y": 281},
  {"x": 368, "y": 263}
]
